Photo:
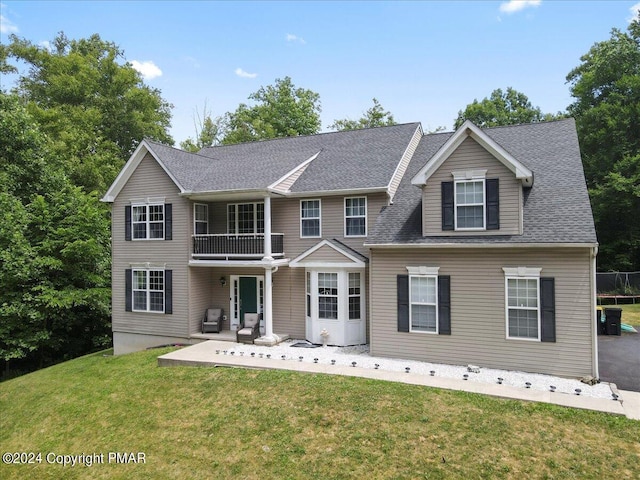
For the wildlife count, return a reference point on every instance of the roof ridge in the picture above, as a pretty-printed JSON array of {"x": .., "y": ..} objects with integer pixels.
[
  {"x": 196, "y": 154},
  {"x": 265, "y": 140}
]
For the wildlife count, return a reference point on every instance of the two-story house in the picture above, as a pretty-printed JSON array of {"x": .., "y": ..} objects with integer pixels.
[{"x": 476, "y": 246}]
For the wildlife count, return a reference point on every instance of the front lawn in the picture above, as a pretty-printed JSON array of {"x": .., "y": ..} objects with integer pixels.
[{"x": 251, "y": 424}]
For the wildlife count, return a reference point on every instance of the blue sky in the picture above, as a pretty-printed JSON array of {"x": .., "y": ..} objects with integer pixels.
[{"x": 424, "y": 61}]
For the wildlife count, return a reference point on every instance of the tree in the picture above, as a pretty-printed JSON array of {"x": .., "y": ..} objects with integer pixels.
[
  {"x": 606, "y": 88},
  {"x": 94, "y": 107},
  {"x": 376, "y": 116},
  {"x": 54, "y": 251},
  {"x": 281, "y": 110},
  {"x": 208, "y": 131},
  {"x": 503, "y": 108}
]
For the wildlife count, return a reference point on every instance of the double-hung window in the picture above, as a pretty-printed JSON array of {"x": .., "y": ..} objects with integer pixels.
[
  {"x": 200, "y": 219},
  {"x": 354, "y": 296},
  {"x": 147, "y": 222},
  {"x": 148, "y": 290},
  {"x": 310, "y": 218},
  {"x": 470, "y": 204},
  {"x": 328, "y": 296},
  {"x": 423, "y": 303},
  {"x": 355, "y": 217},
  {"x": 522, "y": 286}
]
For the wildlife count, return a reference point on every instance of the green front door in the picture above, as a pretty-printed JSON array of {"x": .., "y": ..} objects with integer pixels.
[{"x": 248, "y": 296}]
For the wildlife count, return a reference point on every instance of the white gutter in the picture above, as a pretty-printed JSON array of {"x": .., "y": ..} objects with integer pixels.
[{"x": 404, "y": 246}]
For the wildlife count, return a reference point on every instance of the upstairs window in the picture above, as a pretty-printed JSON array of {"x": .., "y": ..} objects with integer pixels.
[
  {"x": 310, "y": 218},
  {"x": 200, "y": 219},
  {"x": 245, "y": 218},
  {"x": 355, "y": 217},
  {"x": 470, "y": 205},
  {"x": 147, "y": 222}
]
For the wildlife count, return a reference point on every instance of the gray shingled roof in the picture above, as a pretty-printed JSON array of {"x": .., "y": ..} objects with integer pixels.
[
  {"x": 347, "y": 160},
  {"x": 556, "y": 208}
]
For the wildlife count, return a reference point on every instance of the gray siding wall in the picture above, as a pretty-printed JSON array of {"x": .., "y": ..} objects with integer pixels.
[
  {"x": 471, "y": 156},
  {"x": 150, "y": 180},
  {"x": 478, "y": 326}
]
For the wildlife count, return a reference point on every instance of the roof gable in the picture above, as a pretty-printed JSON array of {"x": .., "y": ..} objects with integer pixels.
[
  {"x": 329, "y": 253},
  {"x": 468, "y": 129},
  {"x": 132, "y": 164}
]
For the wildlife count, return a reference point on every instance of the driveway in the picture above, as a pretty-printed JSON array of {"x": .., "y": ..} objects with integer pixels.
[{"x": 620, "y": 360}]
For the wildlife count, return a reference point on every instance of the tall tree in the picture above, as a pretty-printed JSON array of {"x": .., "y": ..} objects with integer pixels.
[
  {"x": 208, "y": 131},
  {"x": 376, "y": 116},
  {"x": 90, "y": 102},
  {"x": 502, "y": 108},
  {"x": 54, "y": 251},
  {"x": 281, "y": 110},
  {"x": 606, "y": 88}
]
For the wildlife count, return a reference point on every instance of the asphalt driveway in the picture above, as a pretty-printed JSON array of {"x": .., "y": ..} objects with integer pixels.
[{"x": 620, "y": 360}]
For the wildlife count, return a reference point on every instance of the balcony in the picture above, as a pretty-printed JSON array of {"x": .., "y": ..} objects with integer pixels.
[{"x": 236, "y": 246}]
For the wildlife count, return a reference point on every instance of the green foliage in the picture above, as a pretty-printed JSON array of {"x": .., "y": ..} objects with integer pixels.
[
  {"x": 54, "y": 251},
  {"x": 606, "y": 88},
  {"x": 281, "y": 110},
  {"x": 503, "y": 108},
  {"x": 376, "y": 116},
  {"x": 93, "y": 107},
  {"x": 208, "y": 131}
]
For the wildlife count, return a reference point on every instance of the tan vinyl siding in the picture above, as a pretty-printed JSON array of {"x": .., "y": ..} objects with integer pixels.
[
  {"x": 327, "y": 254},
  {"x": 285, "y": 185},
  {"x": 404, "y": 162},
  {"x": 472, "y": 156},
  {"x": 286, "y": 219},
  {"x": 150, "y": 180},
  {"x": 478, "y": 325},
  {"x": 202, "y": 284}
]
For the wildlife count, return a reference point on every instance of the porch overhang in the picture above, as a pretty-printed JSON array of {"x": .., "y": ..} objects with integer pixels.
[
  {"x": 342, "y": 256},
  {"x": 278, "y": 262}
]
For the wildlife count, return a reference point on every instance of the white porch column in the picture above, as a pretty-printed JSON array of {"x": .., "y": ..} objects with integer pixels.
[
  {"x": 267, "y": 229},
  {"x": 267, "y": 313}
]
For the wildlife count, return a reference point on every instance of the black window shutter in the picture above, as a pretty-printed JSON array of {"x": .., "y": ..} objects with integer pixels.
[
  {"x": 168, "y": 291},
  {"x": 548, "y": 306},
  {"x": 447, "y": 206},
  {"x": 444, "y": 305},
  {"x": 403, "y": 303},
  {"x": 168, "y": 221},
  {"x": 128, "y": 290},
  {"x": 493, "y": 203},
  {"x": 127, "y": 222}
]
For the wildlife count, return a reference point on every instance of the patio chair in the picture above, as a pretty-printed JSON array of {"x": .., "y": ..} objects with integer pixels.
[
  {"x": 212, "y": 320},
  {"x": 249, "y": 328}
]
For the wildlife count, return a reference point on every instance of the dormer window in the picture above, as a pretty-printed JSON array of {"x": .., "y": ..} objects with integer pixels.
[{"x": 470, "y": 205}]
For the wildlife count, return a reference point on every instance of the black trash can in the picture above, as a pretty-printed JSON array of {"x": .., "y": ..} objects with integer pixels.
[
  {"x": 601, "y": 328},
  {"x": 613, "y": 319}
]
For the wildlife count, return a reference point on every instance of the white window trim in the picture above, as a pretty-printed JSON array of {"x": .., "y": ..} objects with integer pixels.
[
  {"x": 350, "y": 296},
  {"x": 319, "y": 217},
  {"x": 483, "y": 205},
  {"x": 356, "y": 216},
  {"x": 195, "y": 218},
  {"x": 411, "y": 302},
  {"x": 522, "y": 273},
  {"x": 255, "y": 217},
  {"x": 147, "y": 290},
  {"x": 148, "y": 222}
]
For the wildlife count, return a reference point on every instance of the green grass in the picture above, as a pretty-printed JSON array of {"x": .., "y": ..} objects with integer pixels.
[
  {"x": 630, "y": 314},
  {"x": 249, "y": 424}
]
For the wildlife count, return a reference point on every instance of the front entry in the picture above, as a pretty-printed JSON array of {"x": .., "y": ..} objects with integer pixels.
[{"x": 246, "y": 297}]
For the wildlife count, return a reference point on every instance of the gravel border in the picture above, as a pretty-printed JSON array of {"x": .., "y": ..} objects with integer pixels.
[{"x": 360, "y": 354}]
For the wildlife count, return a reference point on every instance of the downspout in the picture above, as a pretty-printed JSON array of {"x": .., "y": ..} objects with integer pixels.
[{"x": 594, "y": 337}]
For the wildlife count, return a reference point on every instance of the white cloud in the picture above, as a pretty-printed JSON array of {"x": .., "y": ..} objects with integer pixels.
[
  {"x": 241, "y": 73},
  {"x": 6, "y": 25},
  {"x": 294, "y": 38},
  {"x": 634, "y": 12},
  {"x": 147, "y": 69},
  {"x": 513, "y": 6},
  {"x": 46, "y": 44}
]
